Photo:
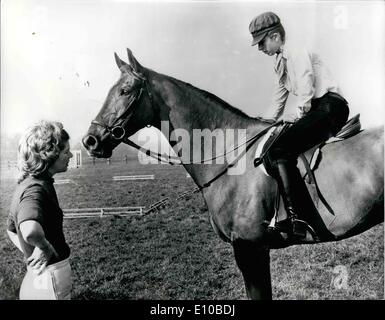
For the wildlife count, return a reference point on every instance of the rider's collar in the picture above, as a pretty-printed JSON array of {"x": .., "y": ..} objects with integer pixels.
[{"x": 282, "y": 51}]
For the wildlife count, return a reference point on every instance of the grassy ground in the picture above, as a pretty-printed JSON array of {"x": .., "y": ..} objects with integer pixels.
[{"x": 175, "y": 254}]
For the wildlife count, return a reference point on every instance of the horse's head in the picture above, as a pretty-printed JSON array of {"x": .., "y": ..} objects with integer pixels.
[{"x": 127, "y": 108}]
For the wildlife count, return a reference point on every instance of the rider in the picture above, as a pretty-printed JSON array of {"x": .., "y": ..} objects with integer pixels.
[{"x": 321, "y": 113}]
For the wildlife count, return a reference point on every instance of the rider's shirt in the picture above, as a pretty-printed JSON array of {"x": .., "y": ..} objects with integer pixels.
[{"x": 303, "y": 74}]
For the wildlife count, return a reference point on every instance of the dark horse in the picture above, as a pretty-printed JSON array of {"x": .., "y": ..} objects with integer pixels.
[{"x": 350, "y": 175}]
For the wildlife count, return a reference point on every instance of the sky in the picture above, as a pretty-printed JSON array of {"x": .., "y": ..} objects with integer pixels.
[{"x": 57, "y": 56}]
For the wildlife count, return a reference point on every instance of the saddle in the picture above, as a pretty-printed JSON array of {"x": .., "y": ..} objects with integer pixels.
[{"x": 309, "y": 161}]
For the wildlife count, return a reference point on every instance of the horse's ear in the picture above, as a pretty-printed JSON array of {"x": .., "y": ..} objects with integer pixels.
[
  {"x": 133, "y": 62},
  {"x": 121, "y": 64}
]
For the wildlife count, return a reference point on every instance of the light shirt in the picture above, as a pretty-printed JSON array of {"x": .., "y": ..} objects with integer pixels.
[{"x": 303, "y": 74}]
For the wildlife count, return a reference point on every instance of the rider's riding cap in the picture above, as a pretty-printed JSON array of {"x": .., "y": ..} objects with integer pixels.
[{"x": 262, "y": 24}]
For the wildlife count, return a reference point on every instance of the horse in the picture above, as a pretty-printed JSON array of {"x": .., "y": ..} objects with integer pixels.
[{"x": 350, "y": 175}]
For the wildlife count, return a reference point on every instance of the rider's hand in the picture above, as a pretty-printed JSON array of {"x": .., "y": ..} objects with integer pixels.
[
  {"x": 267, "y": 120},
  {"x": 290, "y": 119},
  {"x": 40, "y": 257}
]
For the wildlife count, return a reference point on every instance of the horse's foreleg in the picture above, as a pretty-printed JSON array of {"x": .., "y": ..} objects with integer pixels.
[{"x": 254, "y": 263}]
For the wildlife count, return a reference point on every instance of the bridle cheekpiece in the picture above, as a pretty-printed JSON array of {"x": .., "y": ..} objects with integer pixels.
[{"x": 117, "y": 130}]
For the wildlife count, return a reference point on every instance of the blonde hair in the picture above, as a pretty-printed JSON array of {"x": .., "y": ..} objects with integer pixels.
[{"x": 40, "y": 147}]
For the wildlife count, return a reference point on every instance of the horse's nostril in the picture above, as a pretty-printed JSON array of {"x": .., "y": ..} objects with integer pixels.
[{"x": 90, "y": 142}]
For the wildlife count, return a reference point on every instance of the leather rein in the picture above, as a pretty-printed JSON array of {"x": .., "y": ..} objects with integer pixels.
[{"x": 117, "y": 132}]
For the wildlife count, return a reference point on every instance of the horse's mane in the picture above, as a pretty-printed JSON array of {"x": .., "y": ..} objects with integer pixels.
[{"x": 212, "y": 98}]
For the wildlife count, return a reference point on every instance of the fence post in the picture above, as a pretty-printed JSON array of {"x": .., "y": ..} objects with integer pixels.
[{"x": 101, "y": 212}]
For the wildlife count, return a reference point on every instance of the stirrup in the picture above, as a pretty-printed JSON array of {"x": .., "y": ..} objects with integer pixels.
[
  {"x": 288, "y": 226},
  {"x": 308, "y": 227},
  {"x": 298, "y": 228}
]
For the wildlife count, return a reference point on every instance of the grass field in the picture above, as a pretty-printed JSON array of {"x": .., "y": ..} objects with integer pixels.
[{"x": 175, "y": 254}]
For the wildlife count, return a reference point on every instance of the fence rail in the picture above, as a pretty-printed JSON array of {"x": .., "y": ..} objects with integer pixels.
[
  {"x": 102, "y": 212},
  {"x": 136, "y": 177},
  {"x": 63, "y": 181}
]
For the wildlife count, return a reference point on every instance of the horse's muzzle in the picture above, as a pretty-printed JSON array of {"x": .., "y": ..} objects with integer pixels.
[
  {"x": 90, "y": 142},
  {"x": 94, "y": 147}
]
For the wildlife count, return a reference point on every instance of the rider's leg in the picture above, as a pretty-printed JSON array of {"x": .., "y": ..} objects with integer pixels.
[
  {"x": 326, "y": 117},
  {"x": 295, "y": 196}
]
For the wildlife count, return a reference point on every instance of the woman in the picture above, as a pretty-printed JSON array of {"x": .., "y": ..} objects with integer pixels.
[
  {"x": 35, "y": 222},
  {"x": 321, "y": 113}
]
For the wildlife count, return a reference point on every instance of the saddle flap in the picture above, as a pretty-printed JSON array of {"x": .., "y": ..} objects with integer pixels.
[
  {"x": 265, "y": 144},
  {"x": 313, "y": 155},
  {"x": 352, "y": 127}
]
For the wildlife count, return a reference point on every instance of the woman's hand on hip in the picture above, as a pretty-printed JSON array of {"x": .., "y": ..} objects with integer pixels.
[{"x": 40, "y": 257}]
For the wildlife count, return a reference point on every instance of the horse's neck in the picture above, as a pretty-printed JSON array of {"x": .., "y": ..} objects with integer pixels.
[
  {"x": 184, "y": 108},
  {"x": 188, "y": 107}
]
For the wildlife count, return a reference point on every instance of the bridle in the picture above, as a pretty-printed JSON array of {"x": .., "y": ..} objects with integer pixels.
[{"x": 117, "y": 130}]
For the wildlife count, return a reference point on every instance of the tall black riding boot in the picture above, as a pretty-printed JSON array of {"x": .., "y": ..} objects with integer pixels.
[{"x": 291, "y": 186}]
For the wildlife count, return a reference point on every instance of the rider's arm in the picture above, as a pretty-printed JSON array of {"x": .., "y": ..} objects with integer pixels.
[
  {"x": 304, "y": 87},
  {"x": 279, "y": 101}
]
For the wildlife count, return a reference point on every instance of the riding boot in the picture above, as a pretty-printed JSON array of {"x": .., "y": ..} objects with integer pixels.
[{"x": 291, "y": 186}]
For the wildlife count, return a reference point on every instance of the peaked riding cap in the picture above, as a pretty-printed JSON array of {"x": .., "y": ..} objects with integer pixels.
[{"x": 262, "y": 24}]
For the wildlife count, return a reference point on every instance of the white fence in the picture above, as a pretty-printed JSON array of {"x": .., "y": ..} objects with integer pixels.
[
  {"x": 137, "y": 177},
  {"x": 102, "y": 212},
  {"x": 63, "y": 181},
  {"x": 76, "y": 160}
]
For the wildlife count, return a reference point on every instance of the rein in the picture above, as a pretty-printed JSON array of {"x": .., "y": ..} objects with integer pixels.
[
  {"x": 160, "y": 157},
  {"x": 162, "y": 203},
  {"x": 118, "y": 132}
]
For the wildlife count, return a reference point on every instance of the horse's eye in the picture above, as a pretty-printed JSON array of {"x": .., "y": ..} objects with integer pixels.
[{"x": 123, "y": 91}]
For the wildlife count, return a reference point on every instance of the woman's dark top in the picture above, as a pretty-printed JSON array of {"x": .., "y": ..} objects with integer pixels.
[{"x": 36, "y": 199}]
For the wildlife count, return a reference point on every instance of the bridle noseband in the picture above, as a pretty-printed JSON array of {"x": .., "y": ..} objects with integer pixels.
[{"x": 117, "y": 130}]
